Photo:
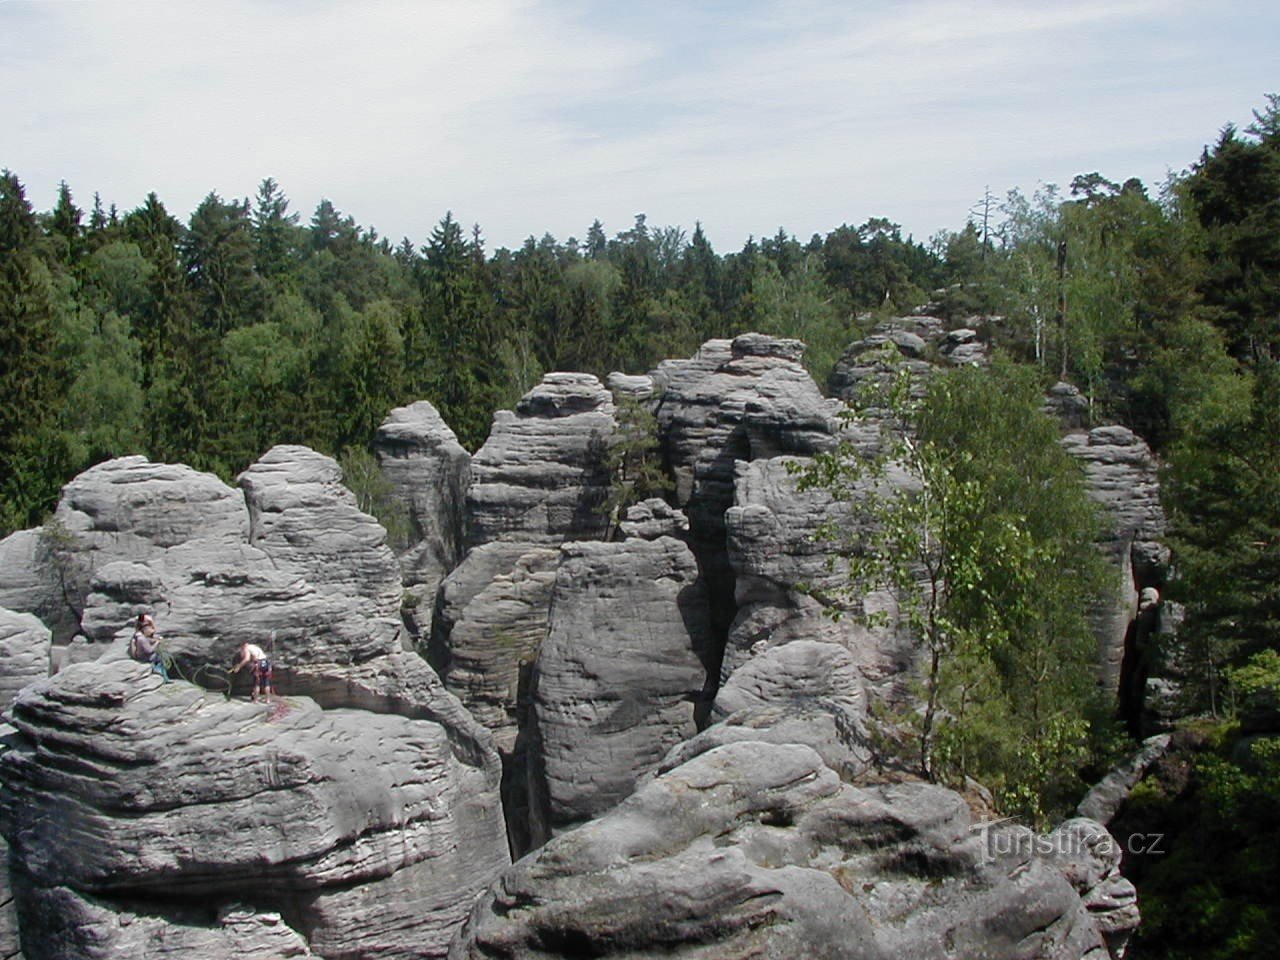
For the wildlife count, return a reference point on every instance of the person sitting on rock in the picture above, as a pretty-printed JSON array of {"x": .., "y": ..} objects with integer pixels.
[
  {"x": 145, "y": 645},
  {"x": 251, "y": 653}
]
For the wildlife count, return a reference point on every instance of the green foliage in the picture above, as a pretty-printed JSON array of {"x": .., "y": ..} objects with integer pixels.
[
  {"x": 634, "y": 460},
  {"x": 1214, "y": 890},
  {"x": 375, "y": 495},
  {"x": 978, "y": 522}
]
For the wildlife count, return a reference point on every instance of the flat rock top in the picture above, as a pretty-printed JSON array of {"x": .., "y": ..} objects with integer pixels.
[
  {"x": 417, "y": 427},
  {"x": 564, "y": 394},
  {"x": 176, "y": 786}
]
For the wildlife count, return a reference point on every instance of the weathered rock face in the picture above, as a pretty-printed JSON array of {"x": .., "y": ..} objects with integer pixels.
[
  {"x": 805, "y": 691},
  {"x": 491, "y": 620},
  {"x": 538, "y": 481},
  {"x": 734, "y": 400},
  {"x": 364, "y": 831},
  {"x": 620, "y": 677},
  {"x": 301, "y": 514},
  {"x": 752, "y": 849},
  {"x": 208, "y": 597},
  {"x": 429, "y": 472},
  {"x": 64, "y": 923},
  {"x": 541, "y": 475},
  {"x": 1121, "y": 476},
  {"x": 787, "y": 582},
  {"x": 124, "y": 509},
  {"x": 10, "y": 941},
  {"x": 25, "y": 644},
  {"x": 33, "y": 565}
]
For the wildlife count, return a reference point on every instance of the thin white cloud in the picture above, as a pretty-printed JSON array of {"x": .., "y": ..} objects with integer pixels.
[{"x": 538, "y": 116}]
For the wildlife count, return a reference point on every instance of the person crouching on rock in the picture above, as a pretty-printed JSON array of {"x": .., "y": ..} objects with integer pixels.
[
  {"x": 145, "y": 645},
  {"x": 252, "y": 654}
]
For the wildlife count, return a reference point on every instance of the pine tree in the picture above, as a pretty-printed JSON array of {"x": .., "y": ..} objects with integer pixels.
[{"x": 32, "y": 455}]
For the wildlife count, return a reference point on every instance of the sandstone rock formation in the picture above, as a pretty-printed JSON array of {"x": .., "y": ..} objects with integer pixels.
[
  {"x": 124, "y": 795},
  {"x": 490, "y": 621},
  {"x": 24, "y": 652},
  {"x": 538, "y": 481},
  {"x": 733, "y": 400},
  {"x": 752, "y": 849},
  {"x": 123, "y": 509},
  {"x": 789, "y": 578},
  {"x": 541, "y": 475},
  {"x": 302, "y": 515},
  {"x": 1121, "y": 476},
  {"x": 620, "y": 676},
  {"x": 428, "y": 472}
]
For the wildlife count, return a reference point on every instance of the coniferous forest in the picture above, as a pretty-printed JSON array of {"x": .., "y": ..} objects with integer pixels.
[{"x": 252, "y": 324}]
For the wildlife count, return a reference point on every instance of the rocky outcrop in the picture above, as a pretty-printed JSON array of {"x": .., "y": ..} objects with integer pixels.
[
  {"x": 25, "y": 644},
  {"x": 1121, "y": 476},
  {"x": 428, "y": 472},
  {"x": 914, "y": 344},
  {"x": 734, "y": 400},
  {"x": 752, "y": 849},
  {"x": 790, "y": 579},
  {"x": 10, "y": 936},
  {"x": 301, "y": 514},
  {"x": 365, "y": 832},
  {"x": 806, "y": 691},
  {"x": 1108, "y": 795},
  {"x": 620, "y": 677},
  {"x": 34, "y": 567},
  {"x": 124, "y": 509},
  {"x": 539, "y": 480},
  {"x": 491, "y": 620},
  {"x": 64, "y": 923},
  {"x": 654, "y": 518},
  {"x": 541, "y": 476}
]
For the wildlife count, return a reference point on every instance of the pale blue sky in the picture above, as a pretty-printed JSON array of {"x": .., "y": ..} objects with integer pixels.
[{"x": 529, "y": 116}]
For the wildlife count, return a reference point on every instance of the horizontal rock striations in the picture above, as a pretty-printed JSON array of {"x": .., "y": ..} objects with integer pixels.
[
  {"x": 754, "y": 849},
  {"x": 539, "y": 480},
  {"x": 363, "y": 831},
  {"x": 619, "y": 679},
  {"x": 24, "y": 652}
]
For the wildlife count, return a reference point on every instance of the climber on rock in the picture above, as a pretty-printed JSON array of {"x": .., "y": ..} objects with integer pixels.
[
  {"x": 144, "y": 646},
  {"x": 251, "y": 654}
]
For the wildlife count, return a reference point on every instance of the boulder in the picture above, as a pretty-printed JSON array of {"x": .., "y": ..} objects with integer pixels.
[
  {"x": 620, "y": 676},
  {"x": 754, "y": 849},
  {"x": 428, "y": 472},
  {"x": 120, "y": 793},
  {"x": 25, "y": 644}
]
